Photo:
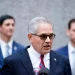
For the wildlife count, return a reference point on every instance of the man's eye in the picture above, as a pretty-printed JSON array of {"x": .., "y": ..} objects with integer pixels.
[{"x": 7, "y": 24}]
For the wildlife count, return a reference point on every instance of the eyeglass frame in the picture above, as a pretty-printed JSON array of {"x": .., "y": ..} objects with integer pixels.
[{"x": 44, "y": 36}]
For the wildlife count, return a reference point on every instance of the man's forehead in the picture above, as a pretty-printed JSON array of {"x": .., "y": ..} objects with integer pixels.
[
  {"x": 47, "y": 29},
  {"x": 44, "y": 26}
]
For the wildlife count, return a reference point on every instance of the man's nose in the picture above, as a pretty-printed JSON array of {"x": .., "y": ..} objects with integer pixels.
[
  {"x": 11, "y": 26},
  {"x": 47, "y": 39}
]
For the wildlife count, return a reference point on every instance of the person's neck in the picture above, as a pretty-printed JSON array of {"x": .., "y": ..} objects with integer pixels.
[
  {"x": 73, "y": 44},
  {"x": 5, "y": 39}
]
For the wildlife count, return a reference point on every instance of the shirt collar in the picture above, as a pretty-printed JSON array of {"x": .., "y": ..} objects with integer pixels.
[
  {"x": 47, "y": 56},
  {"x": 3, "y": 44},
  {"x": 71, "y": 48},
  {"x": 34, "y": 52}
]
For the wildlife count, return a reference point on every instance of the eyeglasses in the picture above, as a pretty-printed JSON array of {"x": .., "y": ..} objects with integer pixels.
[{"x": 44, "y": 36}]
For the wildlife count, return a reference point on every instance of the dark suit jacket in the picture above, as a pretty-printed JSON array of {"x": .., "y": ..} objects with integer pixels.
[
  {"x": 63, "y": 51},
  {"x": 15, "y": 48},
  {"x": 20, "y": 64}
]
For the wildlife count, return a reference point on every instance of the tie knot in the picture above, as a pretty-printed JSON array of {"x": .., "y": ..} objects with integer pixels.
[
  {"x": 42, "y": 56},
  {"x": 7, "y": 46}
]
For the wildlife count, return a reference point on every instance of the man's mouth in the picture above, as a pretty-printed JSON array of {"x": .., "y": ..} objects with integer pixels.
[{"x": 47, "y": 46}]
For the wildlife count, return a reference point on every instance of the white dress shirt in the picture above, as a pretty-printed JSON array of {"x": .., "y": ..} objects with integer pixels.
[
  {"x": 3, "y": 47},
  {"x": 35, "y": 58},
  {"x": 71, "y": 53}
]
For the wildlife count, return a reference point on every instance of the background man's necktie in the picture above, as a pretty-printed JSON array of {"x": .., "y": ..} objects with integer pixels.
[
  {"x": 42, "y": 62},
  {"x": 73, "y": 63},
  {"x": 7, "y": 50}
]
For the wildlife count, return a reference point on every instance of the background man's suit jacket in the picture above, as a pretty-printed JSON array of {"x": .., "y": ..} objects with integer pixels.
[
  {"x": 20, "y": 64},
  {"x": 63, "y": 51},
  {"x": 15, "y": 48}
]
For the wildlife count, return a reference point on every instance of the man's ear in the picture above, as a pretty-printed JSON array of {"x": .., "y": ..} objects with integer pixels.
[{"x": 29, "y": 36}]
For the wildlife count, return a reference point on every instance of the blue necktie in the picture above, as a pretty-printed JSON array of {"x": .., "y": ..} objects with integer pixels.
[
  {"x": 7, "y": 50},
  {"x": 73, "y": 63}
]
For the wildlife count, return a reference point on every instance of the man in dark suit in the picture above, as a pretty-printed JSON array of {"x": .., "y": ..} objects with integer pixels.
[
  {"x": 69, "y": 50},
  {"x": 38, "y": 54},
  {"x": 7, "y": 24}
]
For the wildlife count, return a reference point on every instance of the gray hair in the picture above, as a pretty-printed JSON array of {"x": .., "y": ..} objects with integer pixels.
[{"x": 33, "y": 25}]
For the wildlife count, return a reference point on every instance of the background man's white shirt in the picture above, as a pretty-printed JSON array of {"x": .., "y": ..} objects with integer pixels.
[
  {"x": 3, "y": 47},
  {"x": 71, "y": 50}
]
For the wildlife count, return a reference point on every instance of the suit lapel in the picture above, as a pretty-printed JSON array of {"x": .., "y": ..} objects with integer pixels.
[
  {"x": 14, "y": 48},
  {"x": 66, "y": 51},
  {"x": 1, "y": 58},
  {"x": 26, "y": 62},
  {"x": 53, "y": 62}
]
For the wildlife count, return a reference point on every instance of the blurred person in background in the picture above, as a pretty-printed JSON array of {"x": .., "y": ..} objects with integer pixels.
[
  {"x": 69, "y": 50},
  {"x": 7, "y": 45}
]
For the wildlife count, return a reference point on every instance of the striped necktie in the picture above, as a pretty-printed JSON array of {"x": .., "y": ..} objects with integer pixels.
[{"x": 41, "y": 62}]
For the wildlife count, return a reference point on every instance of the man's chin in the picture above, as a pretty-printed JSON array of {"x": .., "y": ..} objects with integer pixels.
[
  {"x": 9, "y": 35},
  {"x": 46, "y": 52}
]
